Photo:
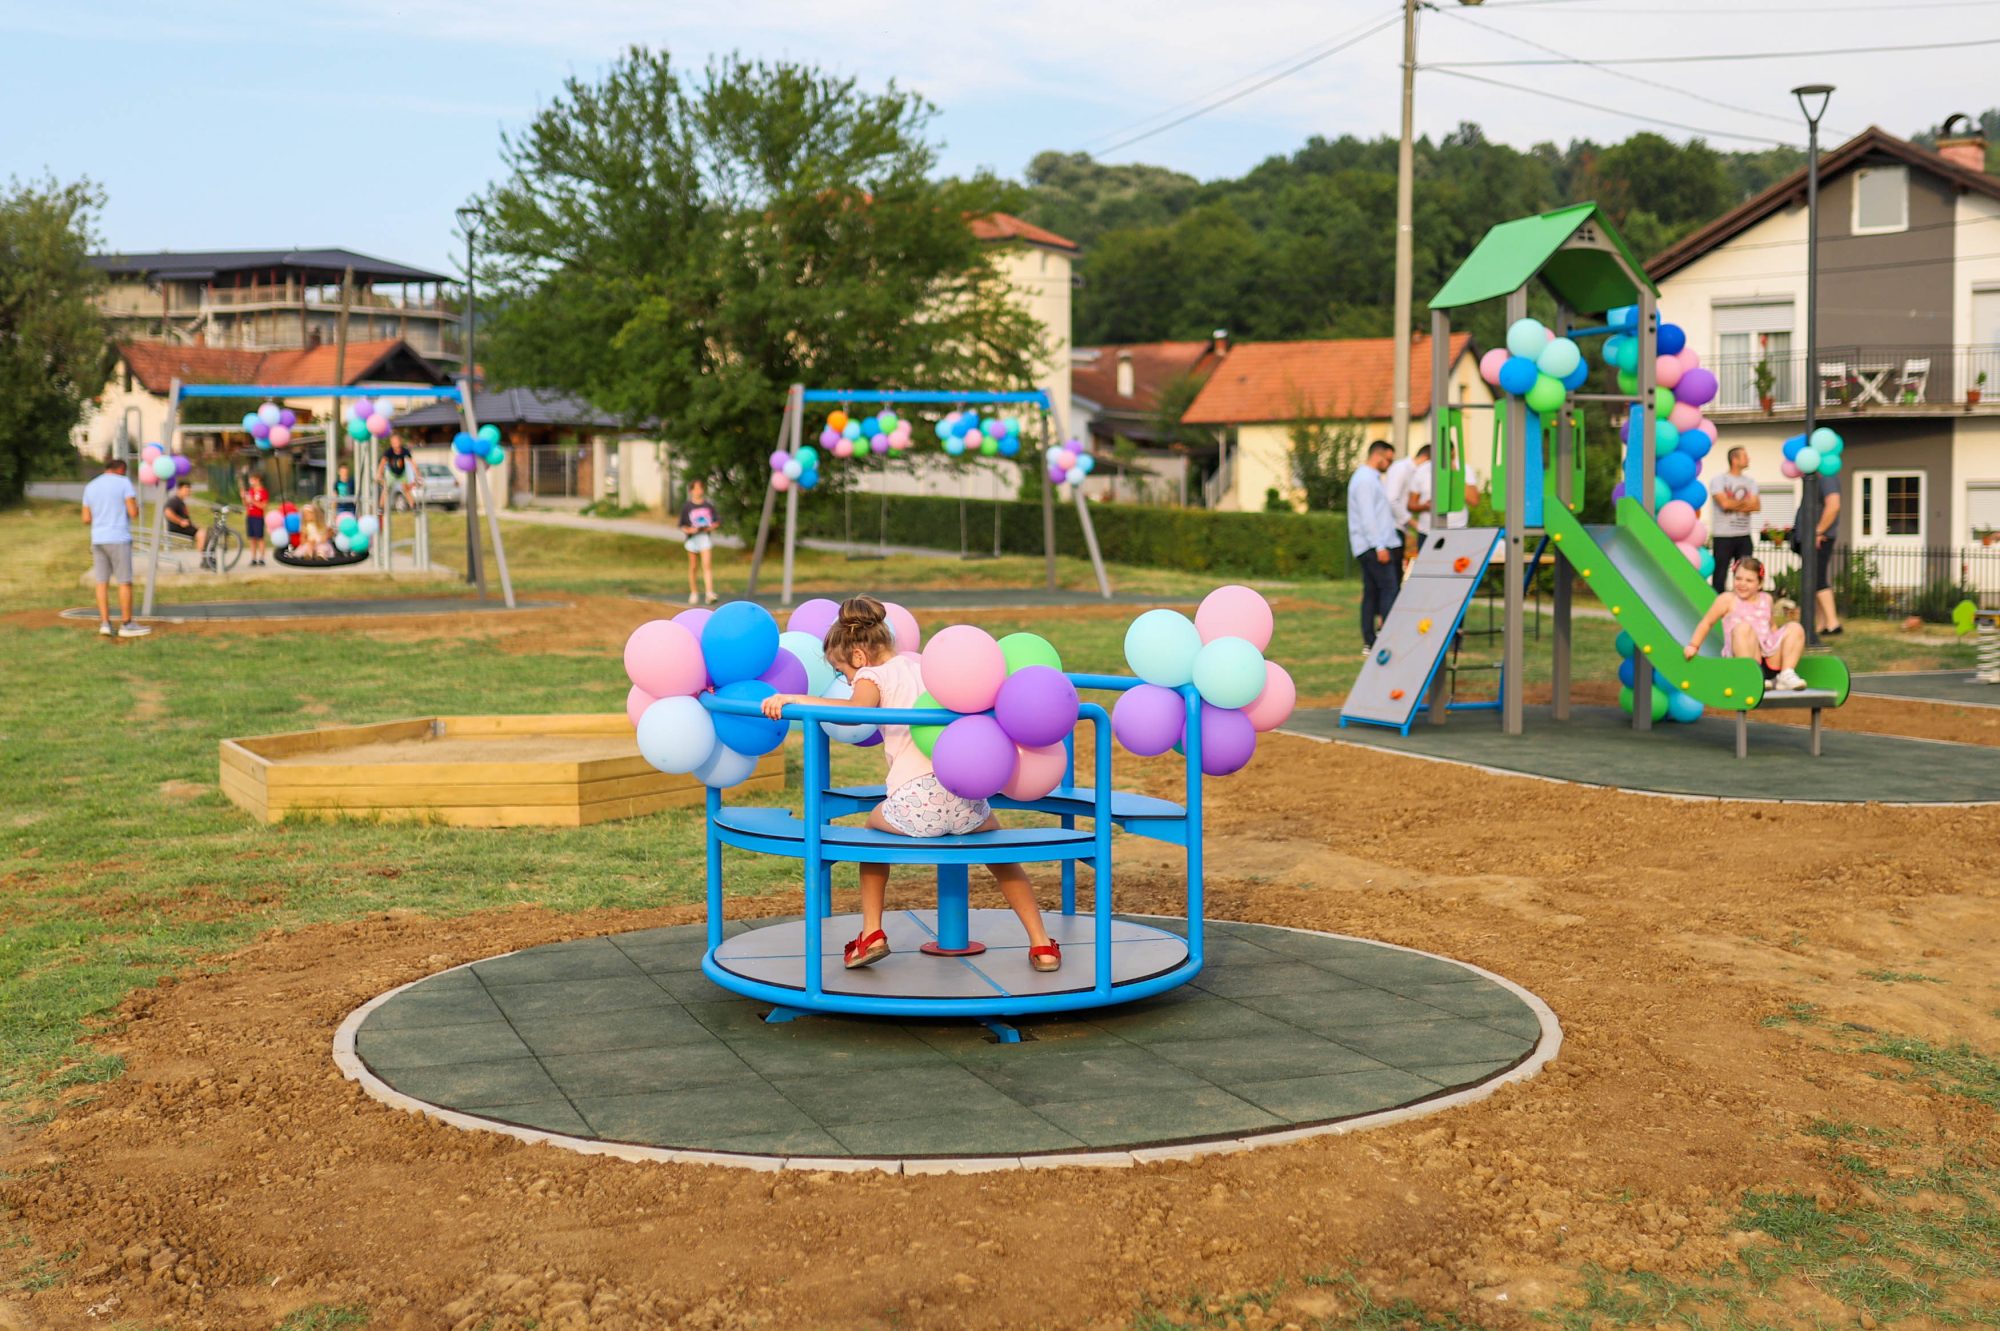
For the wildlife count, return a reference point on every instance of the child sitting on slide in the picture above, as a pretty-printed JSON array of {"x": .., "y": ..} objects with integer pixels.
[
  {"x": 1747, "y": 630},
  {"x": 861, "y": 647}
]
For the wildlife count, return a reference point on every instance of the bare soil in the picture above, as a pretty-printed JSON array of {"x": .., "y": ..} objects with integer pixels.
[{"x": 233, "y": 1175}]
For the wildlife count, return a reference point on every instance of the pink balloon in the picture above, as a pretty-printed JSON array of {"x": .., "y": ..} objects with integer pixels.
[
  {"x": 1036, "y": 772},
  {"x": 1490, "y": 363},
  {"x": 1684, "y": 416},
  {"x": 1677, "y": 519},
  {"x": 1688, "y": 359},
  {"x": 780, "y": 481},
  {"x": 1667, "y": 371},
  {"x": 843, "y": 447},
  {"x": 1235, "y": 611},
  {"x": 964, "y": 669},
  {"x": 664, "y": 659},
  {"x": 1273, "y": 706},
  {"x": 1789, "y": 469},
  {"x": 279, "y": 436},
  {"x": 1692, "y": 551},
  {"x": 1707, "y": 426},
  {"x": 909, "y": 637},
  {"x": 637, "y": 700},
  {"x": 1700, "y": 534}
]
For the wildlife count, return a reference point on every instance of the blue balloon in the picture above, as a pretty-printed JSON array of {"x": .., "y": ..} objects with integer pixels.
[
  {"x": 808, "y": 480},
  {"x": 1694, "y": 494},
  {"x": 1676, "y": 469},
  {"x": 739, "y": 642},
  {"x": 293, "y": 523},
  {"x": 1682, "y": 708},
  {"x": 1625, "y": 317},
  {"x": 1671, "y": 338},
  {"x": 1010, "y": 445},
  {"x": 725, "y": 767},
  {"x": 1609, "y": 351},
  {"x": 1792, "y": 447},
  {"x": 676, "y": 735},
  {"x": 954, "y": 445},
  {"x": 466, "y": 442},
  {"x": 1696, "y": 443},
  {"x": 1626, "y": 647},
  {"x": 1578, "y": 377},
  {"x": 748, "y": 735},
  {"x": 1518, "y": 375},
  {"x": 1626, "y": 672}
]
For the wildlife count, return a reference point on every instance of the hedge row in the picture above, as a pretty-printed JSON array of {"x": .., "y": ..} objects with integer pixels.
[{"x": 1193, "y": 540}]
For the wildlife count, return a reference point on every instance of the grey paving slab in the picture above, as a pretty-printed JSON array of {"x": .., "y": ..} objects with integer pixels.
[
  {"x": 625, "y": 1040},
  {"x": 1960, "y": 687}
]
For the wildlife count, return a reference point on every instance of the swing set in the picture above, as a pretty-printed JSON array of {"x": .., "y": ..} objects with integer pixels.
[{"x": 792, "y": 434}]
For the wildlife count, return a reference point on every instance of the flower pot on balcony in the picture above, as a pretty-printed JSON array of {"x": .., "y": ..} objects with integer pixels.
[
  {"x": 1971, "y": 397},
  {"x": 1765, "y": 403}
]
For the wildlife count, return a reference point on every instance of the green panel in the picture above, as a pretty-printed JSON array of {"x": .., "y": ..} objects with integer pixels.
[
  {"x": 1721, "y": 682},
  {"x": 1685, "y": 577},
  {"x": 1512, "y": 253},
  {"x": 1825, "y": 672}
]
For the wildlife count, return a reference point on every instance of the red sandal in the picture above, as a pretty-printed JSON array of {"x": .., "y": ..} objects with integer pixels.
[
  {"x": 866, "y": 950},
  {"x": 1047, "y": 957}
]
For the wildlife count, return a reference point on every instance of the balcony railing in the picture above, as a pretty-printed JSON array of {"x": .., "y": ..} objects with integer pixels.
[
  {"x": 1886, "y": 378},
  {"x": 283, "y": 294}
]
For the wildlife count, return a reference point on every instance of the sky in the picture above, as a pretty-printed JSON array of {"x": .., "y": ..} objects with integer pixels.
[{"x": 215, "y": 124}]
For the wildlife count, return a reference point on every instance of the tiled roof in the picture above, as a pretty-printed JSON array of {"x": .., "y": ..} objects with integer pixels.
[
  {"x": 513, "y": 406},
  {"x": 198, "y": 264},
  {"x": 157, "y": 364},
  {"x": 1093, "y": 373},
  {"x": 1350, "y": 378},
  {"x": 1006, "y": 226}
]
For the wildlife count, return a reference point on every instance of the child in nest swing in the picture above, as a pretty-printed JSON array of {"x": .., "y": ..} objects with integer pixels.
[
  {"x": 861, "y": 647},
  {"x": 1747, "y": 630}
]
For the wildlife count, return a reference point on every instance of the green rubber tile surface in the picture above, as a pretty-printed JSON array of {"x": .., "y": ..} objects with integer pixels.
[
  {"x": 1598, "y": 747},
  {"x": 1946, "y": 686},
  {"x": 622, "y": 1039}
]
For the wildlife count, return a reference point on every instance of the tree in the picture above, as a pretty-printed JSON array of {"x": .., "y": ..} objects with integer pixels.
[
  {"x": 682, "y": 248},
  {"x": 53, "y": 353},
  {"x": 1324, "y": 455}
]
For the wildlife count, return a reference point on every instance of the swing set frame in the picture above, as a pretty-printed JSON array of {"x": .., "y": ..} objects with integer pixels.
[{"x": 791, "y": 435}]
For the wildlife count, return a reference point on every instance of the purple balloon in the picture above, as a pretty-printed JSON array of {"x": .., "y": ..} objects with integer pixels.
[
  {"x": 465, "y": 461},
  {"x": 828, "y": 438},
  {"x": 779, "y": 459},
  {"x": 261, "y": 430},
  {"x": 694, "y": 620},
  {"x": 1227, "y": 740},
  {"x": 787, "y": 674},
  {"x": 1697, "y": 387},
  {"x": 183, "y": 464},
  {"x": 973, "y": 758},
  {"x": 1037, "y": 706},
  {"x": 880, "y": 443},
  {"x": 1148, "y": 719},
  {"x": 1617, "y": 492},
  {"x": 815, "y": 617},
  {"x": 288, "y": 418}
]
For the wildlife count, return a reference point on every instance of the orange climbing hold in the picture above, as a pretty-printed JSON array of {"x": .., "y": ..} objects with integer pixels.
[
  {"x": 1460, "y": 564},
  {"x": 1395, "y": 695}
]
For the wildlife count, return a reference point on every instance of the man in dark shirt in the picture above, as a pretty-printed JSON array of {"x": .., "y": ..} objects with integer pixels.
[{"x": 179, "y": 521}]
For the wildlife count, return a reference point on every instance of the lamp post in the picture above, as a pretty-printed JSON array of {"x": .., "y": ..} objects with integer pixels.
[
  {"x": 470, "y": 217},
  {"x": 1812, "y": 98},
  {"x": 1399, "y": 425}
]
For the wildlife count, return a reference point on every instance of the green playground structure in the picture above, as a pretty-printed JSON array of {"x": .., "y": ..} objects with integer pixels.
[{"x": 1631, "y": 564}]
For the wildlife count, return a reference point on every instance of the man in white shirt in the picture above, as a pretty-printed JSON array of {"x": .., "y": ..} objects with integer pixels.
[
  {"x": 1396, "y": 485},
  {"x": 1374, "y": 538},
  {"x": 110, "y": 505},
  {"x": 1423, "y": 496},
  {"x": 1737, "y": 501}
]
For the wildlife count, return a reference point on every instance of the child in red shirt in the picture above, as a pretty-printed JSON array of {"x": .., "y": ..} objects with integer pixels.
[{"x": 255, "y": 496}]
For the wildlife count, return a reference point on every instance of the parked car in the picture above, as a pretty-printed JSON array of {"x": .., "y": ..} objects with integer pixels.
[{"x": 438, "y": 486}]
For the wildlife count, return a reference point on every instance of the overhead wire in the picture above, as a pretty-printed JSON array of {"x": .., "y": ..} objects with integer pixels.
[
  {"x": 1644, "y": 118},
  {"x": 1724, "y": 56}
]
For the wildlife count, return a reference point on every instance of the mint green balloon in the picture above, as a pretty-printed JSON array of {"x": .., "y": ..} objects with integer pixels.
[
  {"x": 1229, "y": 672},
  {"x": 1026, "y": 649},
  {"x": 1161, "y": 646},
  {"x": 1546, "y": 398}
]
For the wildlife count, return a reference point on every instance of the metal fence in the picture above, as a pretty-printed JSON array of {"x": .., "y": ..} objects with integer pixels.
[
  {"x": 1858, "y": 378},
  {"x": 1895, "y": 582}
]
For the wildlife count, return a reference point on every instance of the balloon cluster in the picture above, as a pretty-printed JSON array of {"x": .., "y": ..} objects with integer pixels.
[
  {"x": 161, "y": 467},
  {"x": 352, "y": 535},
  {"x": 1819, "y": 454},
  {"x": 800, "y": 468},
  {"x": 1072, "y": 462},
  {"x": 1015, "y": 705},
  {"x": 468, "y": 450},
  {"x": 962, "y": 432},
  {"x": 1669, "y": 703},
  {"x": 286, "y": 530},
  {"x": 1536, "y": 365},
  {"x": 270, "y": 426},
  {"x": 844, "y": 435},
  {"x": 367, "y": 420},
  {"x": 1221, "y": 653},
  {"x": 1683, "y": 436}
]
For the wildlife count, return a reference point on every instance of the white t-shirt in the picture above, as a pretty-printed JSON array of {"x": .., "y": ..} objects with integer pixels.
[
  {"x": 1420, "y": 488},
  {"x": 1725, "y": 522},
  {"x": 1396, "y": 485}
]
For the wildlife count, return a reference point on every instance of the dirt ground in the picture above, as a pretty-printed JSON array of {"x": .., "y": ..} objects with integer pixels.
[{"x": 233, "y": 1175}]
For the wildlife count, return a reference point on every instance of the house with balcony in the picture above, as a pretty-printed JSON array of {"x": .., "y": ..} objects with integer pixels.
[
  {"x": 277, "y": 300},
  {"x": 1908, "y": 363},
  {"x": 1120, "y": 393}
]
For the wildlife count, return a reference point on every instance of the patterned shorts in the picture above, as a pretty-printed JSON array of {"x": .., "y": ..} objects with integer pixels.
[{"x": 923, "y": 808}]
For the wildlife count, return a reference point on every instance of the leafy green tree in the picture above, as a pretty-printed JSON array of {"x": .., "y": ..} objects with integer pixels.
[
  {"x": 1324, "y": 455},
  {"x": 682, "y": 247},
  {"x": 53, "y": 352}
]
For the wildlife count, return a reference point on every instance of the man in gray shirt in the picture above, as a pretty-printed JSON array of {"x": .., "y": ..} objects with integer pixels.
[{"x": 1736, "y": 504}]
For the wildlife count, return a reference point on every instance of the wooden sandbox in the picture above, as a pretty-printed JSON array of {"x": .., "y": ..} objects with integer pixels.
[{"x": 468, "y": 771}]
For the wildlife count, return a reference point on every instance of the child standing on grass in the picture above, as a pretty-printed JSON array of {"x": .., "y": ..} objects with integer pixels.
[
  {"x": 861, "y": 647},
  {"x": 255, "y": 497},
  {"x": 698, "y": 524}
]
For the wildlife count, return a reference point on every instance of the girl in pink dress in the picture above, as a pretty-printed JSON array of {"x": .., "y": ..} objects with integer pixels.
[
  {"x": 861, "y": 647},
  {"x": 1745, "y": 612}
]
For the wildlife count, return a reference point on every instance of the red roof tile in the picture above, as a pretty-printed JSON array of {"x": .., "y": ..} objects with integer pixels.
[
  {"x": 1093, "y": 371},
  {"x": 1006, "y": 226},
  {"x": 157, "y": 364},
  {"x": 1350, "y": 378}
]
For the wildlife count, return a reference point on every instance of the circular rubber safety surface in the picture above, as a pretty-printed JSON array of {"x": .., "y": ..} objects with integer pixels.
[{"x": 620, "y": 1044}]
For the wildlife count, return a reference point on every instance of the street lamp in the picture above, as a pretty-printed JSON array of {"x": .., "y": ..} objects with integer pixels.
[
  {"x": 1399, "y": 425},
  {"x": 470, "y": 217},
  {"x": 1812, "y": 98}
]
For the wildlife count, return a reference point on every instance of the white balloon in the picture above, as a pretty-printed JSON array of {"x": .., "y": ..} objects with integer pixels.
[
  {"x": 371, "y": 524},
  {"x": 725, "y": 767},
  {"x": 677, "y": 735},
  {"x": 840, "y": 690}
]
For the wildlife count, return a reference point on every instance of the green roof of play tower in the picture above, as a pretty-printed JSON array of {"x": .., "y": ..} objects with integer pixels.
[{"x": 1575, "y": 250}]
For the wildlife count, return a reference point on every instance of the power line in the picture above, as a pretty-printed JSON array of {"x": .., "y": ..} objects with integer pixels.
[
  {"x": 1212, "y": 91},
  {"x": 1612, "y": 110},
  {"x": 1220, "y": 102},
  {"x": 1808, "y": 11},
  {"x": 1724, "y": 56}
]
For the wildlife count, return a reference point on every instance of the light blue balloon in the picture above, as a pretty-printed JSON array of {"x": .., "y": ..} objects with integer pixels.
[
  {"x": 1830, "y": 465},
  {"x": 1609, "y": 351},
  {"x": 1559, "y": 358},
  {"x": 676, "y": 735},
  {"x": 1161, "y": 646},
  {"x": 725, "y": 767},
  {"x": 954, "y": 445},
  {"x": 811, "y": 652},
  {"x": 1229, "y": 672},
  {"x": 851, "y": 431},
  {"x": 807, "y": 457},
  {"x": 1526, "y": 338},
  {"x": 1707, "y": 564},
  {"x": 1682, "y": 708},
  {"x": 251, "y": 418},
  {"x": 1085, "y": 463},
  {"x": 841, "y": 690},
  {"x": 1625, "y": 316},
  {"x": 1807, "y": 458},
  {"x": 1825, "y": 441}
]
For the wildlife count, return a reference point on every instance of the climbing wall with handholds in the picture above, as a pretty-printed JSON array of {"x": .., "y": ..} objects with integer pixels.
[{"x": 1414, "y": 639}]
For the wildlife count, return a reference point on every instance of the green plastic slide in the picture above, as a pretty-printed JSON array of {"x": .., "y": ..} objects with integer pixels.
[{"x": 1659, "y": 598}]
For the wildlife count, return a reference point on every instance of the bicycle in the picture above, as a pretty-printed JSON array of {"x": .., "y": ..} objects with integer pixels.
[{"x": 225, "y": 544}]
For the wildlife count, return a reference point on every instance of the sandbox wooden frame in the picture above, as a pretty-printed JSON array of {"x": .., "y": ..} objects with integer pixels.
[{"x": 511, "y": 793}]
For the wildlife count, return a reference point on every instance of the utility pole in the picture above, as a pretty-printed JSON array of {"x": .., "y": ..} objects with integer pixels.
[
  {"x": 469, "y": 218},
  {"x": 1805, "y": 524}
]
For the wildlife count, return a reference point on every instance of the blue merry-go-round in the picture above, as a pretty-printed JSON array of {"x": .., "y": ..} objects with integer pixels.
[{"x": 951, "y": 960}]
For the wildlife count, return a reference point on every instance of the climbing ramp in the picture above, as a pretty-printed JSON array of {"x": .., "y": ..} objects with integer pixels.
[{"x": 1417, "y": 635}]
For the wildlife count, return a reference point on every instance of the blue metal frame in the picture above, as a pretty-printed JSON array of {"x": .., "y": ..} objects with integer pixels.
[
  {"x": 1035, "y": 397},
  {"x": 805, "y": 840},
  {"x": 313, "y": 390}
]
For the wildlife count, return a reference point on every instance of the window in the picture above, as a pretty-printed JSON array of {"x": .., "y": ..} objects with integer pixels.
[
  {"x": 1781, "y": 501},
  {"x": 1889, "y": 507},
  {"x": 1748, "y": 333},
  {"x": 1881, "y": 199},
  {"x": 1982, "y": 506}
]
